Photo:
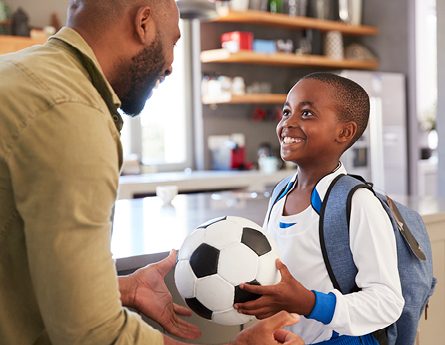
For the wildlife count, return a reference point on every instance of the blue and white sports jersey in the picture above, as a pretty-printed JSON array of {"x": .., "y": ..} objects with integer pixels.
[{"x": 380, "y": 301}]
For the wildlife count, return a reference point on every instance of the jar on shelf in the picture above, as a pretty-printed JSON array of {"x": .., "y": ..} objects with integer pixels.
[
  {"x": 276, "y": 6},
  {"x": 295, "y": 8}
]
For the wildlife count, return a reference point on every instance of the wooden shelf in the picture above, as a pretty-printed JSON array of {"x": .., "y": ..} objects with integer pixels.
[
  {"x": 10, "y": 44},
  {"x": 284, "y": 21},
  {"x": 247, "y": 98},
  {"x": 282, "y": 59}
]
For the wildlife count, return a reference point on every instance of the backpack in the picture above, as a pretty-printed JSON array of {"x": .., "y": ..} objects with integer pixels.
[{"x": 413, "y": 252}]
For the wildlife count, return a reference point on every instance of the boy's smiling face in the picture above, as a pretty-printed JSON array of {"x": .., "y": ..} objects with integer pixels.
[{"x": 309, "y": 129}]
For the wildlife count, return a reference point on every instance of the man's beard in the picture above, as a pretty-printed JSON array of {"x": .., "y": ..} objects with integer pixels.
[{"x": 134, "y": 82}]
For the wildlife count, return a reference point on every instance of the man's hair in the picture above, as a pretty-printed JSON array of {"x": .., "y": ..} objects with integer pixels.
[
  {"x": 351, "y": 100},
  {"x": 99, "y": 14}
]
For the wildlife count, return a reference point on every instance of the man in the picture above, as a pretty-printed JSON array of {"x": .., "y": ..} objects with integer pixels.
[{"x": 60, "y": 158}]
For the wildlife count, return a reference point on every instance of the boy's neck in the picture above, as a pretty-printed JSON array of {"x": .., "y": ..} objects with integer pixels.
[{"x": 309, "y": 177}]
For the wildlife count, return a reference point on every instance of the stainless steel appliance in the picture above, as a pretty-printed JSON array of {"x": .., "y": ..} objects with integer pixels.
[{"x": 380, "y": 156}]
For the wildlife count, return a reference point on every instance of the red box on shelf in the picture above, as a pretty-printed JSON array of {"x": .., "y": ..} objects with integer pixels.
[{"x": 237, "y": 40}]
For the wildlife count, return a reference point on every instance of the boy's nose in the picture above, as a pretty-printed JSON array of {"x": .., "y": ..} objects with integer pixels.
[{"x": 291, "y": 121}]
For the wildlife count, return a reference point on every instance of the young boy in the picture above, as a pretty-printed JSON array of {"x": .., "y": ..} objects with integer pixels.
[{"x": 323, "y": 116}]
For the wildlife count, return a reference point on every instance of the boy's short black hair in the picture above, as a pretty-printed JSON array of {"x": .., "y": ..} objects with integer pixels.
[{"x": 351, "y": 100}]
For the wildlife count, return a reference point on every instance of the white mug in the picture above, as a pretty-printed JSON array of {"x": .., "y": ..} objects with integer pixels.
[
  {"x": 166, "y": 193},
  {"x": 268, "y": 164}
]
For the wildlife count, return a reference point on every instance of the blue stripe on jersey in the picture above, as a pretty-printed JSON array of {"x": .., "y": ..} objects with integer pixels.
[
  {"x": 316, "y": 201},
  {"x": 289, "y": 186},
  {"x": 286, "y": 225}
]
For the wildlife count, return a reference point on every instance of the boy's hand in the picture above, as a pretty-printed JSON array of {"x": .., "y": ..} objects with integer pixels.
[{"x": 288, "y": 294}]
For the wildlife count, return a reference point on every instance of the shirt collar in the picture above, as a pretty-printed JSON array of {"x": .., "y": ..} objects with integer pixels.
[
  {"x": 320, "y": 189},
  {"x": 69, "y": 39}
]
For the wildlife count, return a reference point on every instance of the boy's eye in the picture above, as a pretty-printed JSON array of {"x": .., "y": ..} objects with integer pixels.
[
  {"x": 286, "y": 112},
  {"x": 306, "y": 113}
]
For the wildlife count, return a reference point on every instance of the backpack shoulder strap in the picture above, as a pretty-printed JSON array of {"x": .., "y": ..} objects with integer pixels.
[
  {"x": 278, "y": 192},
  {"x": 334, "y": 232}
]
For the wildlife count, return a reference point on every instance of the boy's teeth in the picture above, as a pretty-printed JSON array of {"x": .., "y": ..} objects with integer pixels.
[
  {"x": 157, "y": 83},
  {"x": 288, "y": 140}
]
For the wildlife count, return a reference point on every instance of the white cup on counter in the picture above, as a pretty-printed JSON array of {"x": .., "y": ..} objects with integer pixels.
[
  {"x": 166, "y": 193},
  {"x": 269, "y": 164}
]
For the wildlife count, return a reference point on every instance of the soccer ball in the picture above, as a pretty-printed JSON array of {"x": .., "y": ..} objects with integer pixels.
[{"x": 216, "y": 258}]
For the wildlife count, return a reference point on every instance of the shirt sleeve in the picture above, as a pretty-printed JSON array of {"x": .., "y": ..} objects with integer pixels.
[
  {"x": 380, "y": 301},
  {"x": 64, "y": 169}
]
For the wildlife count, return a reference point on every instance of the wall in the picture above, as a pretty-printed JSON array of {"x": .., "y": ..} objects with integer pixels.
[
  {"x": 39, "y": 11},
  {"x": 441, "y": 91},
  {"x": 394, "y": 45}
]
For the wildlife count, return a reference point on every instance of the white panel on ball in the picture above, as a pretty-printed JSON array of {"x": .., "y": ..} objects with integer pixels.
[
  {"x": 268, "y": 274},
  {"x": 215, "y": 293},
  {"x": 231, "y": 317},
  {"x": 243, "y": 222},
  {"x": 185, "y": 279},
  {"x": 222, "y": 234},
  {"x": 191, "y": 242},
  {"x": 238, "y": 264}
]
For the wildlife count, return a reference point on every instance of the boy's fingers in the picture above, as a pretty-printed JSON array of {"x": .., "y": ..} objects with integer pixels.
[
  {"x": 282, "y": 268},
  {"x": 248, "y": 307},
  {"x": 258, "y": 289}
]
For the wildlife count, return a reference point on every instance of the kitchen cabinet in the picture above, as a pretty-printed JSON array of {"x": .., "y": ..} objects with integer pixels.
[
  {"x": 245, "y": 99},
  {"x": 10, "y": 44},
  {"x": 281, "y": 21}
]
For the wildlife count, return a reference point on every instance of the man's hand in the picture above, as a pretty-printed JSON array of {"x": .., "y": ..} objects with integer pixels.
[
  {"x": 288, "y": 294},
  {"x": 270, "y": 332},
  {"x": 145, "y": 291}
]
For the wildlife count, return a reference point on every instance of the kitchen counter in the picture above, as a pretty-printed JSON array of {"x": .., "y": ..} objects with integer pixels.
[
  {"x": 145, "y": 231},
  {"x": 145, "y": 227},
  {"x": 199, "y": 181}
]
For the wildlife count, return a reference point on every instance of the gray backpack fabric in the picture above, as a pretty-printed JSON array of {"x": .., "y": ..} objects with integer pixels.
[{"x": 413, "y": 251}]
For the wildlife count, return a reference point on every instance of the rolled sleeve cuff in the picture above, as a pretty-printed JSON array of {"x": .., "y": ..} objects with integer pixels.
[{"x": 324, "y": 307}]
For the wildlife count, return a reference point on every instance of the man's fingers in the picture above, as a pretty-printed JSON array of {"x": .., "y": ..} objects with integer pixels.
[
  {"x": 280, "y": 320},
  {"x": 285, "y": 337},
  {"x": 183, "y": 329},
  {"x": 180, "y": 310},
  {"x": 166, "y": 265}
]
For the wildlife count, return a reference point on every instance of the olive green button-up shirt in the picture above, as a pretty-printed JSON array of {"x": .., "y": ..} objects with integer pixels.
[{"x": 60, "y": 158}]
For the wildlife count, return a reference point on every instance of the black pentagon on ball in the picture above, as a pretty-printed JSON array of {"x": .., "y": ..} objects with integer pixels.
[
  {"x": 256, "y": 241},
  {"x": 199, "y": 308},
  {"x": 204, "y": 260},
  {"x": 210, "y": 222},
  {"x": 242, "y": 296}
]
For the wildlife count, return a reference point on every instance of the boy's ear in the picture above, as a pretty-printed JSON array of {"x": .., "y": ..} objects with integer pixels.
[
  {"x": 347, "y": 132},
  {"x": 145, "y": 27}
]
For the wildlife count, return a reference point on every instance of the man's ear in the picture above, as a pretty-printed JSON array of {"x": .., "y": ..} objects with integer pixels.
[
  {"x": 145, "y": 27},
  {"x": 348, "y": 130}
]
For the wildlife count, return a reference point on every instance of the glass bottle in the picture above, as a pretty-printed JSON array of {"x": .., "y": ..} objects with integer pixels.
[{"x": 276, "y": 6}]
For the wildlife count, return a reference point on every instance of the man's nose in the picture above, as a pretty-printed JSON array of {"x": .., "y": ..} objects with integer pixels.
[{"x": 168, "y": 71}]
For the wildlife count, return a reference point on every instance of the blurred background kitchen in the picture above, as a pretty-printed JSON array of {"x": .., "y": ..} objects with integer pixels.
[
  {"x": 219, "y": 109},
  {"x": 209, "y": 130}
]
